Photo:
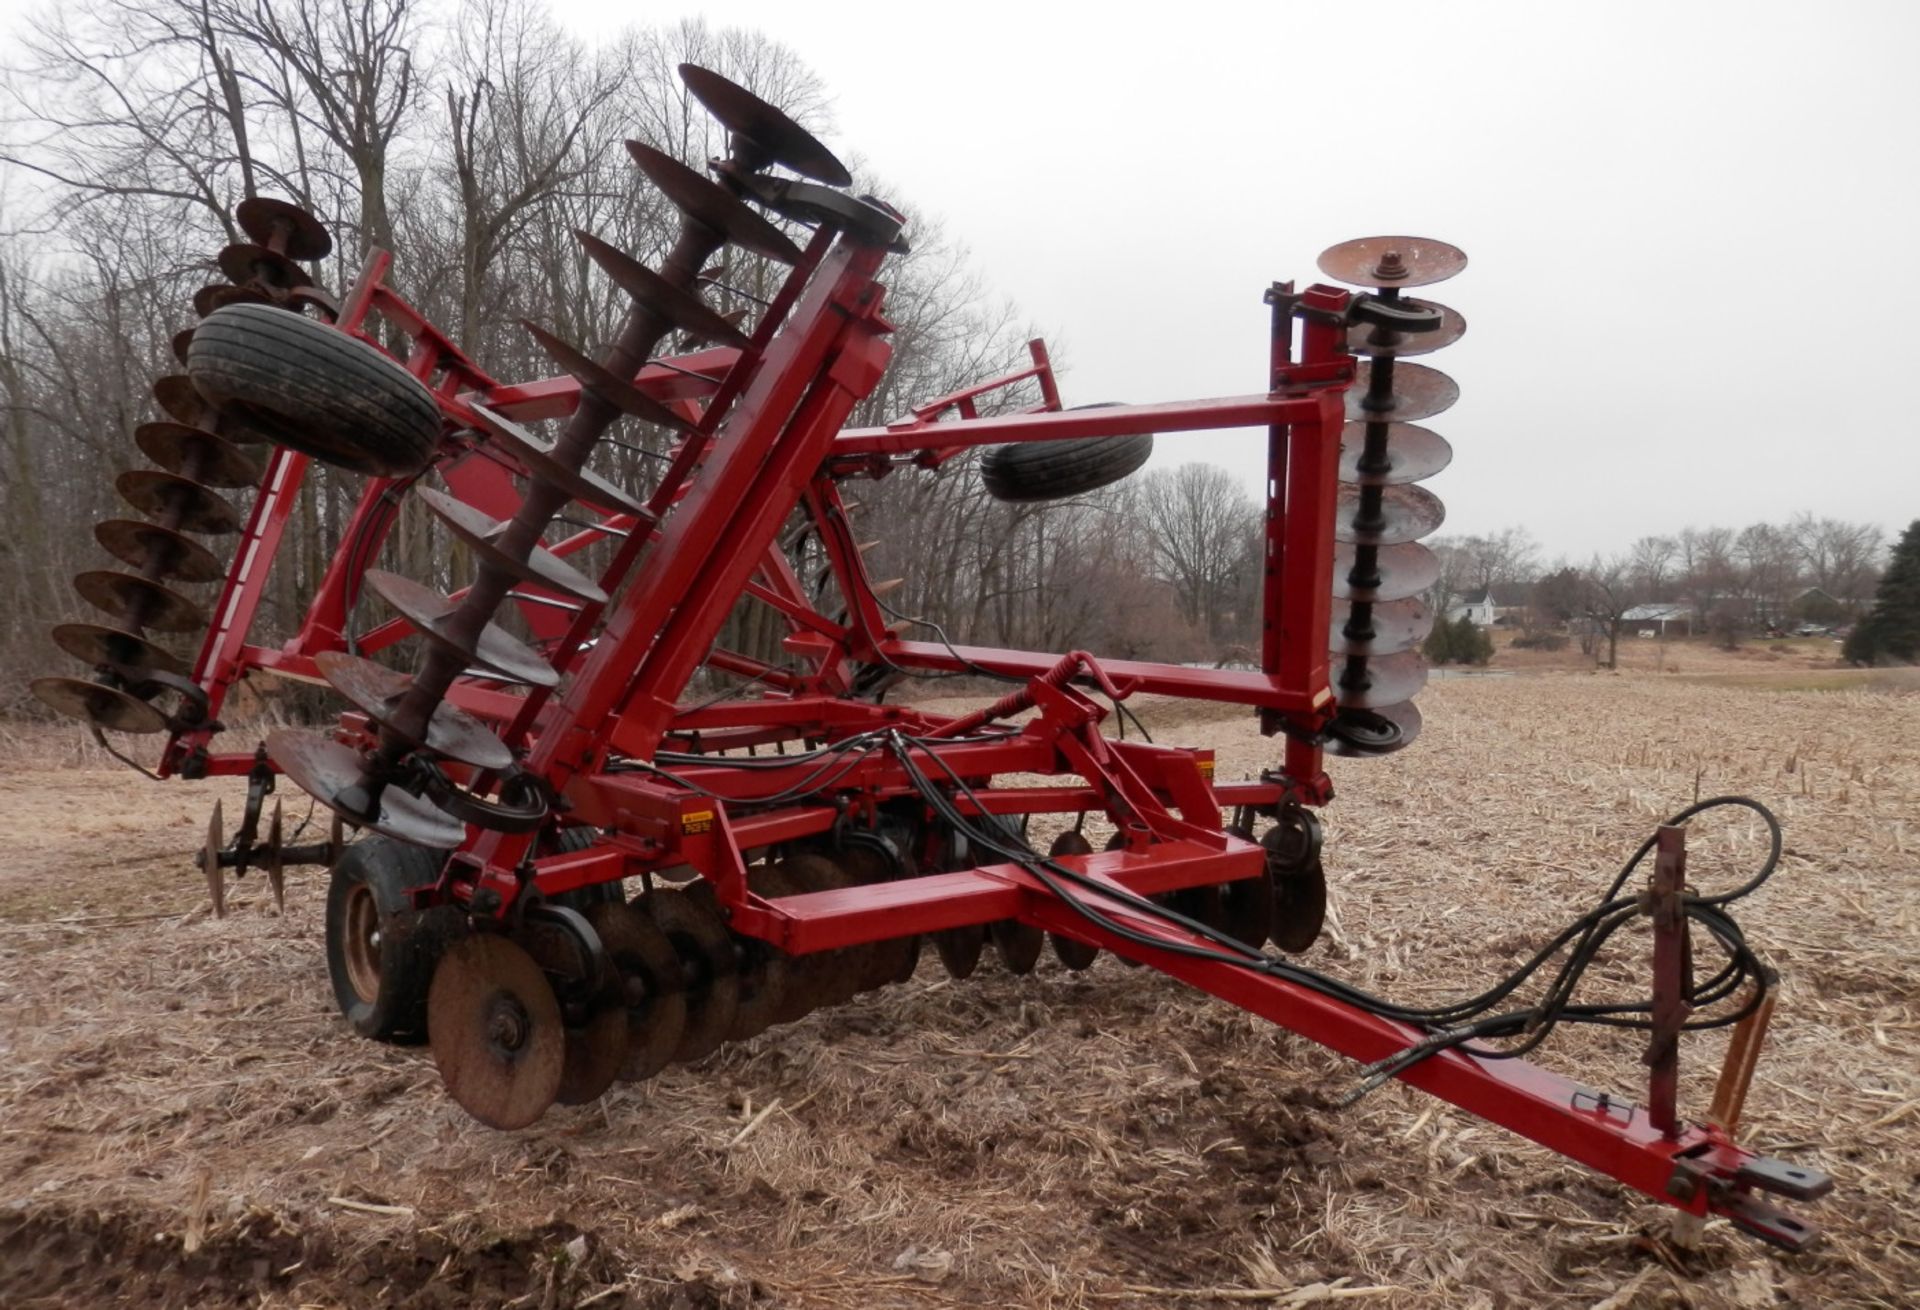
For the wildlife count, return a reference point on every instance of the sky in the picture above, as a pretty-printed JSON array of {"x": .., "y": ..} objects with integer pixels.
[{"x": 1693, "y": 296}]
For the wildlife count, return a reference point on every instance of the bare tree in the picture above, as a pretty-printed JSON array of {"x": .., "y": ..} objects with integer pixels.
[{"x": 1197, "y": 519}]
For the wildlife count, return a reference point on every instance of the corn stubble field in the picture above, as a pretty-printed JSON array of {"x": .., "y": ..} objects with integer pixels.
[{"x": 184, "y": 1121}]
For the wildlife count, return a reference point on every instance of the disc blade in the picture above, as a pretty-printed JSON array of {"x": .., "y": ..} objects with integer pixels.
[
  {"x": 1392, "y": 261},
  {"x": 1418, "y": 392},
  {"x": 652, "y": 984},
  {"x": 684, "y": 309},
  {"x": 866, "y": 863},
  {"x": 196, "y": 453},
  {"x": 1073, "y": 955},
  {"x": 595, "y": 1052},
  {"x": 1397, "y": 572},
  {"x": 376, "y": 691},
  {"x": 602, "y": 382},
  {"x": 1405, "y": 514},
  {"x": 220, "y": 295},
  {"x": 1246, "y": 904},
  {"x": 210, "y": 864},
  {"x": 1410, "y": 453},
  {"x": 712, "y": 206},
  {"x": 1383, "y": 629},
  {"x": 707, "y": 955},
  {"x": 106, "y": 707},
  {"x": 775, "y": 137},
  {"x": 159, "y": 495},
  {"x": 1367, "y": 339},
  {"x": 283, "y": 225},
  {"x": 244, "y": 262},
  {"x": 181, "y": 340},
  {"x": 496, "y": 1031},
  {"x": 276, "y": 862},
  {"x": 1384, "y": 681},
  {"x": 842, "y": 973},
  {"x": 496, "y": 651},
  {"x": 330, "y": 772},
  {"x": 91, "y": 643},
  {"x": 176, "y": 395},
  {"x": 536, "y": 457},
  {"x": 482, "y": 532},
  {"x": 1300, "y": 907},
  {"x": 1374, "y": 732},
  {"x": 137, "y": 602},
  {"x": 143, "y": 545},
  {"x": 1017, "y": 944}
]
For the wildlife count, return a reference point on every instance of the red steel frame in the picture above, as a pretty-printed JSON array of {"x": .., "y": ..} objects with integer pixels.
[{"x": 710, "y": 536}]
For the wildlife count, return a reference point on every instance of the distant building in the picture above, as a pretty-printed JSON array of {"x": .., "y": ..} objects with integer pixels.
[
  {"x": 1500, "y": 604},
  {"x": 1668, "y": 619}
]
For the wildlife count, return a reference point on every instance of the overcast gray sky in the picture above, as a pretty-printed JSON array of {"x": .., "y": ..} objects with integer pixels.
[{"x": 1692, "y": 226}]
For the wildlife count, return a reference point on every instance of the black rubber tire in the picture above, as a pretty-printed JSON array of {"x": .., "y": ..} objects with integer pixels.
[
  {"x": 582, "y": 899},
  {"x": 410, "y": 941},
  {"x": 314, "y": 389},
  {"x": 1052, "y": 470}
]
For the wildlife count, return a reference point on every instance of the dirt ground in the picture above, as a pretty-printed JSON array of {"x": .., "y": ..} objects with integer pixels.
[{"x": 185, "y": 1121}]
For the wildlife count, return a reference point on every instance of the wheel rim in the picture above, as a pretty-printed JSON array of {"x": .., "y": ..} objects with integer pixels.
[{"x": 362, "y": 943}]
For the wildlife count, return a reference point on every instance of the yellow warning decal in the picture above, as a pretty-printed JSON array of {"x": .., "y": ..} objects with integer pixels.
[
  {"x": 1206, "y": 769},
  {"x": 696, "y": 821}
]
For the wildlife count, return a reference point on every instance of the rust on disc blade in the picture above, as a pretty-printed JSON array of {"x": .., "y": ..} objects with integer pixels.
[
  {"x": 1074, "y": 955},
  {"x": 868, "y": 864},
  {"x": 143, "y": 545},
  {"x": 960, "y": 949},
  {"x": 1367, "y": 339},
  {"x": 245, "y": 262},
  {"x": 596, "y": 1051},
  {"x": 682, "y": 308},
  {"x": 769, "y": 978},
  {"x": 1379, "y": 731},
  {"x": 376, "y": 691},
  {"x": 496, "y": 1031},
  {"x": 1384, "y": 681},
  {"x": 776, "y": 137},
  {"x": 497, "y": 651},
  {"x": 196, "y": 453},
  {"x": 1405, "y": 514},
  {"x": 1246, "y": 904},
  {"x": 158, "y": 494},
  {"x": 137, "y": 602},
  {"x": 107, "y": 707},
  {"x": 1017, "y": 944},
  {"x": 707, "y": 957},
  {"x": 1299, "y": 907},
  {"x": 91, "y": 643},
  {"x": 1418, "y": 392},
  {"x": 712, "y": 206},
  {"x": 1408, "y": 569},
  {"x": 1392, "y": 261},
  {"x": 537, "y": 458},
  {"x": 652, "y": 985},
  {"x": 1386, "y": 629},
  {"x": 181, "y": 340},
  {"x": 604, "y": 383},
  {"x": 182, "y": 402},
  {"x": 482, "y": 533},
  {"x": 841, "y": 972},
  {"x": 219, "y": 296},
  {"x": 271, "y": 222},
  {"x": 330, "y": 772},
  {"x": 1411, "y": 454}
]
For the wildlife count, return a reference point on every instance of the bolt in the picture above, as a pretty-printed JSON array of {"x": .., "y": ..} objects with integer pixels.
[{"x": 1391, "y": 268}]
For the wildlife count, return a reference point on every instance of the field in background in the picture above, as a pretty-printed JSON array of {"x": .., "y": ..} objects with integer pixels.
[{"x": 185, "y": 1121}]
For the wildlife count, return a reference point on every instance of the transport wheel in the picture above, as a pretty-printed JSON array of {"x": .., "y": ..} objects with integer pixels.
[
  {"x": 652, "y": 984},
  {"x": 1075, "y": 955},
  {"x": 1051, "y": 470},
  {"x": 314, "y": 389},
  {"x": 497, "y": 1034},
  {"x": 572, "y": 841},
  {"x": 380, "y": 950}
]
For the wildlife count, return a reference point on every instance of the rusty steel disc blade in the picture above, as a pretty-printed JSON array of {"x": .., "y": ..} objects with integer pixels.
[
  {"x": 1405, "y": 514},
  {"x": 496, "y": 1031},
  {"x": 708, "y": 958},
  {"x": 243, "y": 262},
  {"x": 1418, "y": 392},
  {"x": 1246, "y": 904},
  {"x": 652, "y": 985},
  {"x": 1073, "y": 955},
  {"x": 1396, "y": 572},
  {"x": 138, "y": 602},
  {"x": 1387, "y": 680},
  {"x": 330, "y": 771},
  {"x": 1410, "y": 454},
  {"x": 1374, "y": 732},
  {"x": 105, "y": 707},
  {"x": 1385, "y": 629},
  {"x": 682, "y": 308},
  {"x": 148, "y": 545},
  {"x": 220, "y": 295},
  {"x": 496, "y": 651},
  {"x": 182, "y": 402},
  {"x": 761, "y": 976},
  {"x": 91, "y": 643},
  {"x": 376, "y": 691},
  {"x": 301, "y": 298},
  {"x": 712, "y": 206},
  {"x": 775, "y": 137},
  {"x": 536, "y": 457},
  {"x": 181, "y": 340},
  {"x": 960, "y": 949},
  {"x": 197, "y": 454},
  {"x": 285, "y": 226},
  {"x": 867, "y": 864},
  {"x": 1392, "y": 261},
  {"x": 841, "y": 972},
  {"x": 604, "y": 383},
  {"x": 160, "y": 494},
  {"x": 1017, "y": 944},
  {"x": 777, "y": 983},
  {"x": 595, "y": 1052},
  {"x": 482, "y": 533},
  {"x": 1300, "y": 907},
  {"x": 1368, "y": 339}
]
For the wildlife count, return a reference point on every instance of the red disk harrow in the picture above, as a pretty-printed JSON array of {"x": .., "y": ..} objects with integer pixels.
[{"x": 578, "y": 870}]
